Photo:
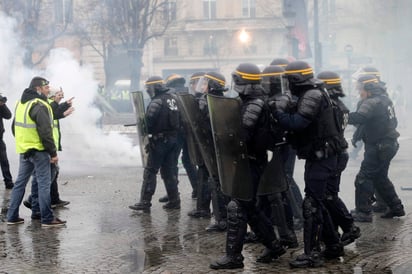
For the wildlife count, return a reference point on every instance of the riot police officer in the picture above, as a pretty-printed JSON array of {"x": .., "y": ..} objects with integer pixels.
[
  {"x": 314, "y": 135},
  {"x": 377, "y": 116},
  {"x": 281, "y": 204},
  {"x": 240, "y": 212},
  {"x": 336, "y": 207},
  {"x": 163, "y": 123},
  {"x": 288, "y": 152},
  {"x": 176, "y": 84},
  {"x": 209, "y": 188}
]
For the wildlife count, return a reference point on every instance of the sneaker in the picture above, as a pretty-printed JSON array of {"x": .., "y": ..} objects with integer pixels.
[
  {"x": 9, "y": 185},
  {"x": 16, "y": 222},
  {"x": 164, "y": 199},
  {"x": 60, "y": 203},
  {"x": 27, "y": 204},
  {"x": 55, "y": 223}
]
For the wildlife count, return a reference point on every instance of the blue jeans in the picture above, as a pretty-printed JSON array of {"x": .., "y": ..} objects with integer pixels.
[{"x": 39, "y": 165}]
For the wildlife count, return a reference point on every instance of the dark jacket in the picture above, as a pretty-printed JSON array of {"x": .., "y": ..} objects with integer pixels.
[{"x": 5, "y": 113}]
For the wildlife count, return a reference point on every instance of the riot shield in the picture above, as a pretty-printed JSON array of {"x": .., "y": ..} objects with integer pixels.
[
  {"x": 231, "y": 152},
  {"x": 203, "y": 137},
  {"x": 139, "y": 109},
  {"x": 273, "y": 179},
  {"x": 189, "y": 110}
]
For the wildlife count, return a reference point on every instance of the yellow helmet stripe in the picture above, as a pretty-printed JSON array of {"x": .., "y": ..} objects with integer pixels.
[
  {"x": 331, "y": 81},
  {"x": 370, "y": 73},
  {"x": 248, "y": 76},
  {"x": 302, "y": 71},
  {"x": 196, "y": 77},
  {"x": 370, "y": 81},
  {"x": 154, "y": 82},
  {"x": 272, "y": 74},
  {"x": 220, "y": 81}
]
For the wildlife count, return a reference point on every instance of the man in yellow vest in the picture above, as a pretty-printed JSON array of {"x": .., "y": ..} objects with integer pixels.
[{"x": 36, "y": 145}]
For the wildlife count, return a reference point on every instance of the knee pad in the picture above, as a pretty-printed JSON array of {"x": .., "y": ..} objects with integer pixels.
[{"x": 309, "y": 207}]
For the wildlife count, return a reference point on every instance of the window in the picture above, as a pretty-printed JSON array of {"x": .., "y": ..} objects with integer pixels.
[
  {"x": 209, "y": 9},
  {"x": 170, "y": 10},
  {"x": 249, "y": 8},
  {"x": 210, "y": 46},
  {"x": 63, "y": 11},
  {"x": 171, "y": 46}
]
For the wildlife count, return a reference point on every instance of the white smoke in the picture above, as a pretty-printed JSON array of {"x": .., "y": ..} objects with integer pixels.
[{"x": 82, "y": 141}]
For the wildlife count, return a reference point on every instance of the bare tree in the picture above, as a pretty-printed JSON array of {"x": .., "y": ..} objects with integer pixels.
[
  {"x": 129, "y": 24},
  {"x": 38, "y": 32}
]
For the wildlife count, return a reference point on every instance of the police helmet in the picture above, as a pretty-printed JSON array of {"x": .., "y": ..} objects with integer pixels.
[
  {"x": 333, "y": 82},
  {"x": 155, "y": 85},
  {"x": 175, "y": 81},
  {"x": 273, "y": 81},
  {"x": 282, "y": 62},
  {"x": 194, "y": 79},
  {"x": 246, "y": 73},
  {"x": 212, "y": 82},
  {"x": 370, "y": 83},
  {"x": 298, "y": 72}
]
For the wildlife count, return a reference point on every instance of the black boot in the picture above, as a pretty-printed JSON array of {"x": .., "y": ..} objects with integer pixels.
[
  {"x": 164, "y": 199},
  {"x": 195, "y": 213},
  {"x": 236, "y": 230},
  {"x": 217, "y": 226},
  {"x": 174, "y": 202},
  {"x": 270, "y": 254},
  {"x": 228, "y": 262},
  {"x": 289, "y": 241},
  {"x": 144, "y": 205},
  {"x": 350, "y": 236},
  {"x": 333, "y": 251},
  {"x": 362, "y": 217},
  {"x": 396, "y": 211},
  {"x": 315, "y": 259}
]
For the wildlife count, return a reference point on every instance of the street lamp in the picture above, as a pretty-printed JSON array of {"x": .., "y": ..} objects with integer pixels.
[{"x": 244, "y": 37}]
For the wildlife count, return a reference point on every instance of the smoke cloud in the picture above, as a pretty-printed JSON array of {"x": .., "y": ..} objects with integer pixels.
[{"x": 83, "y": 142}]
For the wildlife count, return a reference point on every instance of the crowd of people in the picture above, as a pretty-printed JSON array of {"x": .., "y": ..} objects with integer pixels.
[{"x": 240, "y": 151}]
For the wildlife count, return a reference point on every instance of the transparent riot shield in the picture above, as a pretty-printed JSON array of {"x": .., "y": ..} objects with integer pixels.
[
  {"x": 231, "y": 152},
  {"x": 189, "y": 112},
  {"x": 139, "y": 109},
  {"x": 200, "y": 131}
]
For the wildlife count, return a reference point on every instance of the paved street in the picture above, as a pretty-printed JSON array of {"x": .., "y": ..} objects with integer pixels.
[{"x": 104, "y": 236}]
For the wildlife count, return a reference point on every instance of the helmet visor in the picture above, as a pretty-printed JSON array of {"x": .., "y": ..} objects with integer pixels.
[{"x": 202, "y": 85}]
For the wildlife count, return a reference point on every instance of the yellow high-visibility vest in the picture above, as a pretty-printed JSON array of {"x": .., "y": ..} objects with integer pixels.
[{"x": 25, "y": 128}]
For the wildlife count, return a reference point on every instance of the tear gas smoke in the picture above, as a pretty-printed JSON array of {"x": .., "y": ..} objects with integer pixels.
[{"x": 82, "y": 141}]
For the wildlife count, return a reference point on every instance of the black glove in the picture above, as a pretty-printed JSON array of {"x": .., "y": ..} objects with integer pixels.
[{"x": 280, "y": 104}]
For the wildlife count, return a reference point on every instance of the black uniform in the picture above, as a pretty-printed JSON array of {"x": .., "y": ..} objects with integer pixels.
[
  {"x": 377, "y": 116},
  {"x": 163, "y": 123},
  {"x": 315, "y": 139},
  {"x": 4, "y": 161},
  {"x": 240, "y": 213}
]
